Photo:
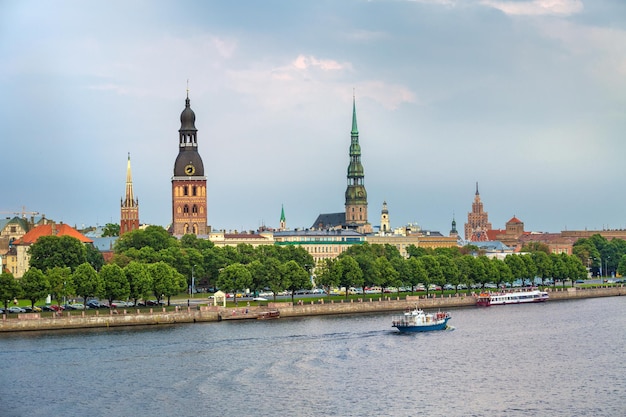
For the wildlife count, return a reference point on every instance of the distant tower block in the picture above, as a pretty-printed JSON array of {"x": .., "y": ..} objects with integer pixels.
[{"x": 477, "y": 221}]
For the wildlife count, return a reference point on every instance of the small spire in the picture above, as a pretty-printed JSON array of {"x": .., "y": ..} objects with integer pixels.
[
  {"x": 477, "y": 188},
  {"x": 187, "y": 88},
  {"x": 355, "y": 130}
]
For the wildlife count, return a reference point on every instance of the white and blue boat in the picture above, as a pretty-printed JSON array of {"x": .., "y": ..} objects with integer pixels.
[{"x": 417, "y": 320}]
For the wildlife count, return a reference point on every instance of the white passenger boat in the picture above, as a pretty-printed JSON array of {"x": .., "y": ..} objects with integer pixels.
[{"x": 513, "y": 297}]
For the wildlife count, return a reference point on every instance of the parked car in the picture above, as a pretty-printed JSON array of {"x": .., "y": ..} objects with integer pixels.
[
  {"x": 15, "y": 309},
  {"x": 94, "y": 304},
  {"x": 121, "y": 304}
]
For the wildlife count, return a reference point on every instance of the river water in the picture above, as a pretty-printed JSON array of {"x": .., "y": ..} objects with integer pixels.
[{"x": 563, "y": 358}]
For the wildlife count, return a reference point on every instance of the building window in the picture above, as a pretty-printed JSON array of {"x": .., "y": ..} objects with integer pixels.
[
  {"x": 186, "y": 209},
  {"x": 194, "y": 191},
  {"x": 185, "y": 190}
]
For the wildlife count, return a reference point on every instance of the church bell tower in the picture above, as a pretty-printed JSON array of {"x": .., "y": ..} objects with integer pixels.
[
  {"x": 356, "y": 196},
  {"x": 189, "y": 199}
]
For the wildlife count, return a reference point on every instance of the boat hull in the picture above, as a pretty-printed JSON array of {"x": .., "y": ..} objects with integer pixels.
[{"x": 440, "y": 325}]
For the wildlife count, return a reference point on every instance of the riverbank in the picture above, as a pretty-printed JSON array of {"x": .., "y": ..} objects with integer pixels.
[{"x": 158, "y": 316}]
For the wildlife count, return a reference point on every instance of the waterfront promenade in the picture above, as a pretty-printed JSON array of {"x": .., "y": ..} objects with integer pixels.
[{"x": 322, "y": 306}]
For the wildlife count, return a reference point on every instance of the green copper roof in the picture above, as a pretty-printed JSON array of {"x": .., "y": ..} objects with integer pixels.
[
  {"x": 355, "y": 130},
  {"x": 282, "y": 214}
]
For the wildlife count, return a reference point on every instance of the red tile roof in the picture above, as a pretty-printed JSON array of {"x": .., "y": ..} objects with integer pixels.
[
  {"x": 514, "y": 220},
  {"x": 51, "y": 229},
  {"x": 493, "y": 233}
]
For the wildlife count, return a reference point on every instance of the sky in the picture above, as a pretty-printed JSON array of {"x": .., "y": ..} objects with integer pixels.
[{"x": 527, "y": 98}]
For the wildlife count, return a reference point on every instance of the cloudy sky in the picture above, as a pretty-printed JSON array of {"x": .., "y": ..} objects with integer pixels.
[{"x": 525, "y": 97}]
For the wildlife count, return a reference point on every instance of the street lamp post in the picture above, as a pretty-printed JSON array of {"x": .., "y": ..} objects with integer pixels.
[{"x": 606, "y": 263}]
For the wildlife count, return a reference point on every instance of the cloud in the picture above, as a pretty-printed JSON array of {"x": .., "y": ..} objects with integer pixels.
[
  {"x": 390, "y": 96},
  {"x": 536, "y": 7},
  {"x": 307, "y": 62}
]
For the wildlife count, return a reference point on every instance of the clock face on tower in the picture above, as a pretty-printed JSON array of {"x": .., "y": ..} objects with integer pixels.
[{"x": 189, "y": 169}]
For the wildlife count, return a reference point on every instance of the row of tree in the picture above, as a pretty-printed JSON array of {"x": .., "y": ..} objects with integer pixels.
[
  {"x": 382, "y": 266},
  {"x": 281, "y": 268},
  {"x": 135, "y": 281}
]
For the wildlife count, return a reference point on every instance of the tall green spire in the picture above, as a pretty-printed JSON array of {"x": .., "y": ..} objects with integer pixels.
[
  {"x": 355, "y": 193},
  {"x": 282, "y": 214},
  {"x": 355, "y": 130}
]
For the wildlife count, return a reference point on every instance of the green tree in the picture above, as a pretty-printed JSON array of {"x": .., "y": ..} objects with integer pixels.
[
  {"x": 234, "y": 277},
  {"x": 505, "y": 274},
  {"x": 401, "y": 266},
  {"x": 275, "y": 273},
  {"x": 531, "y": 268},
  {"x": 366, "y": 264},
  {"x": 155, "y": 237},
  {"x": 536, "y": 247},
  {"x": 327, "y": 274},
  {"x": 192, "y": 241},
  {"x": 386, "y": 274},
  {"x": 139, "y": 280},
  {"x": 433, "y": 270},
  {"x": 465, "y": 266},
  {"x": 116, "y": 285},
  {"x": 9, "y": 288},
  {"x": 87, "y": 282},
  {"x": 111, "y": 229},
  {"x": 489, "y": 271},
  {"x": 350, "y": 274},
  {"x": 93, "y": 256},
  {"x": 259, "y": 277},
  {"x": 50, "y": 251},
  {"x": 560, "y": 271},
  {"x": 517, "y": 266},
  {"x": 575, "y": 268},
  {"x": 417, "y": 252},
  {"x": 621, "y": 267},
  {"x": 61, "y": 284},
  {"x": 449, "y": 270},
  {"x": 543, "y": 264},
  {"x": 35, "y": 285},
  {"x": 416, "y": 272},
  {"x": 296, "y": 278},
  {"x": 164, "y": 280}
]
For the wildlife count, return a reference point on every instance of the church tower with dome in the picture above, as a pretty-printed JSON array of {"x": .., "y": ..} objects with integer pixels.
[{"x": 189, "y": 199}]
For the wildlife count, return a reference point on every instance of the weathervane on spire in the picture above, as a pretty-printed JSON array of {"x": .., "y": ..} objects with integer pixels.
[{"x": 187, "y": 87}]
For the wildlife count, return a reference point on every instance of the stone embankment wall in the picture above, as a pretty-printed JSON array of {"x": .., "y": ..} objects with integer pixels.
[
  {"x": 80, "y": 320},
  {"x": 130, "y": 317}
]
